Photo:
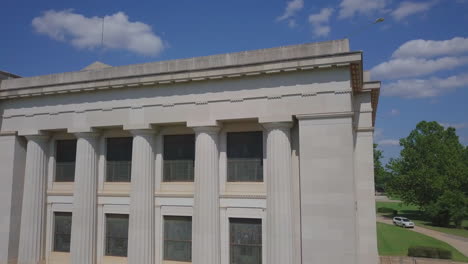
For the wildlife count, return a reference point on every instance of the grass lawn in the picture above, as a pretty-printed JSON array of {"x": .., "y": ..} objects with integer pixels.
[
  {"x": 393, "y": 197},
  {"x": 395, "y": 241},
  {"x": 412, "y": 212}
]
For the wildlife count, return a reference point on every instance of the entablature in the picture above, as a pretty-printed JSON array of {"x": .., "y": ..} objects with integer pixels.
[{"x": 155, "y": 80}]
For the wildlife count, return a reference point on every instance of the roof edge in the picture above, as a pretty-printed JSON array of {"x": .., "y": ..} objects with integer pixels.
[
  {"x": 8, "y": 75},
  {"x": 305, "y": 64},
  {"x": 252, "y": 57}
]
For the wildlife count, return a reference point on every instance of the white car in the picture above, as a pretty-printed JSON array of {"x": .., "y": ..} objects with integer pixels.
[{"x": 403, "y": 222}]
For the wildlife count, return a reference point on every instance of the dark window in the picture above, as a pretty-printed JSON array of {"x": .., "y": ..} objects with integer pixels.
[
  {"x": 245, "y": 157},
  {"x": 179, "y": 156},
  {"x": 119, "y": 159},
  {"x": 62, "y": 231},
  {"x": 116, "y": 235},
  {"x": 245, "y": 241},
  {"x": 65, "y": 157},
  {"x": 178, "y": 238}
]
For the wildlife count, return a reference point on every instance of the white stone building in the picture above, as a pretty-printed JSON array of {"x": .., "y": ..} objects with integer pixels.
[{"x": 261, "y": 156}]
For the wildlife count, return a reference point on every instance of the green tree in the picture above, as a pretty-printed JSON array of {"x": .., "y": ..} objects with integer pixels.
[
  {"x": 381, "y": 176},
  {"x": 451, "y": 206},
  {"x": 432, "y": 172}
]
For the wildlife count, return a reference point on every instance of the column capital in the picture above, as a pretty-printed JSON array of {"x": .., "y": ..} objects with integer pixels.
[
  {"x": 206, "y": 129},
  {"x": 277, "y": 125}
]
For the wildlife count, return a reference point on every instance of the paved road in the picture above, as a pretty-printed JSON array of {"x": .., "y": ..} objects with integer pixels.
[
  {"x": 460, "y": 243},
  {"x": 410, "y": 260}
]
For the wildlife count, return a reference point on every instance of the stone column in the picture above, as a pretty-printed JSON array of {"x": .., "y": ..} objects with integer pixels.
[
  {"x": 205, "y": 222},
  {"x": 84, "y": 218},
  {"x": 141, "y": 225},
  {"x": 279, "y": 221},
  {"x": 33, "y": 218}
]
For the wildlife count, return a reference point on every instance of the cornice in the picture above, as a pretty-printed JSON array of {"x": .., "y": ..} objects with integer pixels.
[
  {"x": 375, "y": 103},
  {"x": 374, "y": 88},
  {"x": 172, "y": 78},
  {"x": 325, "y": 115},
  {"x": 356, "y": 75}
]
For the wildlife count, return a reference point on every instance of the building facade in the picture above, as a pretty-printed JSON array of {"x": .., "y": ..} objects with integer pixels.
[{"x": 261, "y": 156}]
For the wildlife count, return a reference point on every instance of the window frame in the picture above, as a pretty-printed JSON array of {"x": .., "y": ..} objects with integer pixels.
[
  {"x": 56, "y": 145},
  {"x": 260, "y": 247},
  {"x": 165, "y": 217},
  {"x": 184, "y": 209},
  {"x": 235, "y": 209},
  {"x": 106, "y": 238},
  {"x": 164, "y": 149},
  {"x": 54, "y": 231},
  {"x": 106, "y": 159},
  {"x": 261, "y": 157}
]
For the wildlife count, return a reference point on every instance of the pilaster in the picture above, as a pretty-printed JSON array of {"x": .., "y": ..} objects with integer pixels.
[
  {"x": 279, "y": 222},
  {"x": 84, "y": 217},
  {"x": 12, "y": 164},
  {"x": 32, "y": 234},
  {"x": 141, "y": 225},
  {"x": 365, "y": 201},
  {"x": 206, "y": 216},
  {"x": 328, "y": 214}
]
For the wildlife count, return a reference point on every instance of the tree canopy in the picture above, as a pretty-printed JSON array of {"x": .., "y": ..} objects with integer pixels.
[
  {"x": 381, "y": 176},
  {"x": 432, "y": 172}
]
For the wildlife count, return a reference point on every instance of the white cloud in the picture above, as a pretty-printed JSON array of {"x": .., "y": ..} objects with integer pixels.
[
  {"x": 432, "y": 48},
  {"x": 412, "y": 67},
  {"x": 85, "y": 32},
  {"x": 320, "y": 22},
  {"x": 378, "y": 133},
  {"x": 421, "y": 88},
  {"x": 349, "y": 8},
  {"x": 408, "y": 8},
  {"x": 322, "y": 17},
  {"x": 389, "y": 142},
  {"x": 394, "y": 112},
  {"x": 292, "y": 23},
  {"x": 455, "y": 125},
  {"x": 380, "y": 140},
  {"x": 292, "y": 8}
]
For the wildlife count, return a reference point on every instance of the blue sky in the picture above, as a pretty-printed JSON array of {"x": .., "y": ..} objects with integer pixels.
[{"x": 420, "y": 51}]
